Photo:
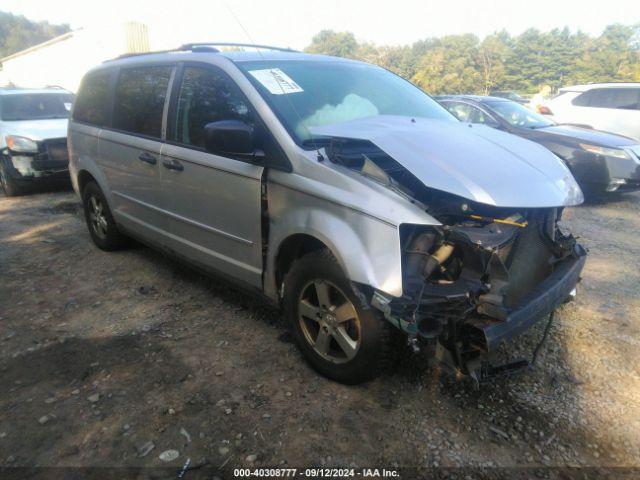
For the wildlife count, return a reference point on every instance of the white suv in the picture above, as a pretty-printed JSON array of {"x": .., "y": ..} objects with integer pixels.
[
  {"x": 33, "y": 138},
  {"x": 613, "y": 107}
]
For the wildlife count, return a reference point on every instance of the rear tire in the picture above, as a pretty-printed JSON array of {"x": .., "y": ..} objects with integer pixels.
[
  {"x": 9, "y": 185},
  {"x": 338, "y": 335},
  {"x": 102, "y": 228}
]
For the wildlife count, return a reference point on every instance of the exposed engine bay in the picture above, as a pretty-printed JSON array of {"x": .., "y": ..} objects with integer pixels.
[{"x": 485, "y": 275}]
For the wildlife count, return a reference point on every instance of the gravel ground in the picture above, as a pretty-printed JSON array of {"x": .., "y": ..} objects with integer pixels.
[{"x": 113, "y": 359}]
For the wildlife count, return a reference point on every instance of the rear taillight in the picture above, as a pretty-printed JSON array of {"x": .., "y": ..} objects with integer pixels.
[{"x": 544, "y": 110}]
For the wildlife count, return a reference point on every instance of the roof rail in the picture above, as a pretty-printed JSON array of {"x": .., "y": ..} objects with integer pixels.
[
  {"x": 192, "y": 46},
  {"x": 203, "y": 47},
  {"x": 613, "y": 81},
  {"x": 139, "y": 54}
]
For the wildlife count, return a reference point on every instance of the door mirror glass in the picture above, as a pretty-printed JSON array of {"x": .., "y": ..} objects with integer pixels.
[{"x": 229, "y": 137}]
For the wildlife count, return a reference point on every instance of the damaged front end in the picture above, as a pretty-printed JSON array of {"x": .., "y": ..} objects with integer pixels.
[
  {"x": 481, "y": 280},
  {"x": 484, "y": 276}
]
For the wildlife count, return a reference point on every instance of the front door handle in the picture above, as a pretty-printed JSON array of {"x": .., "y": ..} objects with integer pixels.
[
  {"x": 173, "y": 165},
  {"x": 147, "y": 158}
]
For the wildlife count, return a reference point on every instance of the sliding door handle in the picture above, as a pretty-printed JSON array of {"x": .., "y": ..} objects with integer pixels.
[
  {"x": 173, "y": 165},
  {"x": 147, "y": 158}
]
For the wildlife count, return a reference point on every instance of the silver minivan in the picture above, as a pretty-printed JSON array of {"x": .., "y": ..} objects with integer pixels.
[{"x": 337, "y": 190}]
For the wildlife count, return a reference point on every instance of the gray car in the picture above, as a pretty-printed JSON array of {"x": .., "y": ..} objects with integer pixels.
[{"x": 335, "y": 189}]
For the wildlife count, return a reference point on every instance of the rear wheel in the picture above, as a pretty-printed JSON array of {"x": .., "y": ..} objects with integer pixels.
[
  {"x": 102, "y": 228},
  {"x": 338, "y": 335}
]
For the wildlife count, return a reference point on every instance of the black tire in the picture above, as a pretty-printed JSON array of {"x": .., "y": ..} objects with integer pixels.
[
  {"x": 9, "y": 185},
  {"x": 594, "y": 194},
  {"x": 104, "y": 233},
  {"x": 373, "y": 354}
]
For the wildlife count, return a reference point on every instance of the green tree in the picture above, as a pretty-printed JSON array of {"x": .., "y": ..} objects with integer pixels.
[
  {"x": 524, "y": 63},
  {"x": 450, "y": 66},
  {"x": 18, "y": 33},
  {"x": 493, "y": 54},
  {"x": 614, "y": 55},
  {"x": 339, "y": 44}
]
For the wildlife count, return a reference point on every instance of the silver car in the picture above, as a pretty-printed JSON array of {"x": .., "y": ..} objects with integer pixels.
[
  {"x": 33, "y": 138},
  {"x": 337, "y": 190}
]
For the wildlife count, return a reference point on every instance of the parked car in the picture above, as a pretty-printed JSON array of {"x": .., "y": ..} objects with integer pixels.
[
  {"x": 601, "y": 162},
  {"x": 334, "y": 188},
  {"x": 612, "y": 107},
  {"x": 33, "y": 138},
  {"x": 513, "y": 96}
]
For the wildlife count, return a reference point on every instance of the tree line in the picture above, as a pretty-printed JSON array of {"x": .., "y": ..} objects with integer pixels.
[
  {"x": 18, "y": 33},
  {"x": 522, "y": 63},
  {"x": 452, "y": 63}
]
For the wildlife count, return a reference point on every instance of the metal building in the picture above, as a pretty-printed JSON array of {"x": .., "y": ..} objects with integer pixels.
[{"x": 63, "y": 60}]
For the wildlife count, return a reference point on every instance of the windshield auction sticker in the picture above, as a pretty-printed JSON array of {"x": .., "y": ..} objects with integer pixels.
[{"x": 276, "y": 81}]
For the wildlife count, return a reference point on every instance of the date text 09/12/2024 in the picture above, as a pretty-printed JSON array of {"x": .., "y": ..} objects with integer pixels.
[{"x": 315, "y": 473}]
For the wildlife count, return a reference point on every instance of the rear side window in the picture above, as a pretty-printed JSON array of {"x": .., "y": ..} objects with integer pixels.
[
  {"x": 584, "y": 99},
  {"x": 139, "y": 100},
  {"x": 619, "y": 98},
  {"x": 92, "y": 102},
  {"x": 207, "y": 95}
]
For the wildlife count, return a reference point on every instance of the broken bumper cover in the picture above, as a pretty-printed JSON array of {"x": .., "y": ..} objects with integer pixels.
[
  {"x": 50, "y": 163},
  {"x": 543, "y": 300}
]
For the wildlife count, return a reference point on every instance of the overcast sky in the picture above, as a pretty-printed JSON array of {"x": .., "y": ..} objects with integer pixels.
[{"x": 292, "y": 23}]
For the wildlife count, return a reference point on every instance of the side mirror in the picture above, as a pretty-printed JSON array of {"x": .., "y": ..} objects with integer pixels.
[{"x": 229, "y": 137}]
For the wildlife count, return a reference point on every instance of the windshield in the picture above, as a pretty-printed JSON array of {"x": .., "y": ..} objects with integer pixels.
[
  {"x": 518, "y": 115},
  {"x": 35, "y": 106},
  {"x": 307, "y": 94}
]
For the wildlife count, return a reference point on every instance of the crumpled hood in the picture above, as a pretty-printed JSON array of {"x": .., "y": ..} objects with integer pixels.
[
  {"x": 37, "y": 130},
  {"x": 475, "y": 162}
]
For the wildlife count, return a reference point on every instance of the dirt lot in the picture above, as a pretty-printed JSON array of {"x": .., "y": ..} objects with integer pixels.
[{"x": 110, "y": 359}]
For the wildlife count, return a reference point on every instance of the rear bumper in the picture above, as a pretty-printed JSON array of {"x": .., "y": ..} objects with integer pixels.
[{"x": 545, "y": 298}]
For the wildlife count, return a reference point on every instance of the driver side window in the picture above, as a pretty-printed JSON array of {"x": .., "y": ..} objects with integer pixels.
[
  {"x": 206, "y": 96},
  {"x": 470, "y": 114},
  {"x": 478, "y": 116},
  {"x": 461, "y": 111}
]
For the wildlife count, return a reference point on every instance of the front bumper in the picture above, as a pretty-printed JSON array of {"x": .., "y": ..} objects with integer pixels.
[
  {"x": 543, "y": 300},
  {"x": 600, "y": 174},
  {"x": 504, "y": 279},
  {"x": 50, "y": 163}
]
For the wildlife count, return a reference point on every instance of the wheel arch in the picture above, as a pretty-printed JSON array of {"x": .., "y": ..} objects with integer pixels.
[
  {"x": 84, "y": 177},
  {"x": 367, "y": 254},
  {"x": 292, "y": 248}
]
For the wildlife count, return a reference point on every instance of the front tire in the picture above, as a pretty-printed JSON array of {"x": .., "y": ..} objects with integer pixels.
[
  {"x": 338, "y": 335},
  {"x": 9, "y": 185},
  {"x": 102, "y": 228}
]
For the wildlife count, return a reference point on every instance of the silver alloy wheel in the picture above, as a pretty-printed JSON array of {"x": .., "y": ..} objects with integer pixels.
[
  {"x": 97, "y": 217},
  {"x": 329, "y": 321}
]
